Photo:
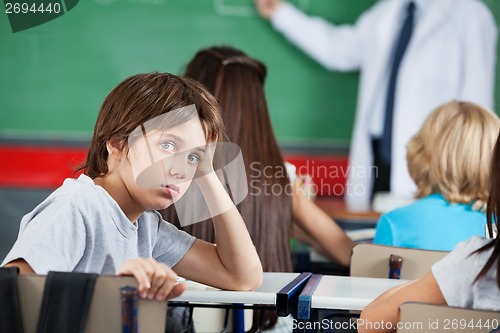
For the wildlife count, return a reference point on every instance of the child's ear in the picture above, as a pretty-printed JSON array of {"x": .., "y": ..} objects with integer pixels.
[{"x": 115, "y": 147}]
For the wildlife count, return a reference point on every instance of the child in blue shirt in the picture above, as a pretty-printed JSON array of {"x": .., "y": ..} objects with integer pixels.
[{"x": 448, "y": 159}]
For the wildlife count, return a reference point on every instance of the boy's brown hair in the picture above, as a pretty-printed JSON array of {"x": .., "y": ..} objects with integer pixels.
[{"x": 142, "y": 97}]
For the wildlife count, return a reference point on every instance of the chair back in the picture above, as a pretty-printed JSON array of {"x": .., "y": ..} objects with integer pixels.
[
  {"x": 372, "y": 260},
  {"x": 105, "y": 308},
  {"x": 421, "y": 317}
]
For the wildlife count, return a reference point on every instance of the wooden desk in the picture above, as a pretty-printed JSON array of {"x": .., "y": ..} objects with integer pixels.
[
  {"x": 331, "y": 292},
  {"x": 279, "y": 291},
  {"x": 337, "y": 209},
  {"x": 265, "y": 295}
]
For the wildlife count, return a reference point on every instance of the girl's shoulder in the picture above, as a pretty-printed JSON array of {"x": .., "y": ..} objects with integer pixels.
[{"x": 474, "y": 243}]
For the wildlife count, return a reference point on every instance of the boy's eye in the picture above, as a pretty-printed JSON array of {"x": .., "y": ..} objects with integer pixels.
[
  {"x": 193, "y": 159},
  {"x": 168, "y": 146}
]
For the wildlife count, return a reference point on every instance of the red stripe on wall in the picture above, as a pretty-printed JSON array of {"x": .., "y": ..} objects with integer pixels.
[
  {"x": 328, "y": 172},
  {"x": 38, "y": 167},
  {"x": 47, "y": 167}
]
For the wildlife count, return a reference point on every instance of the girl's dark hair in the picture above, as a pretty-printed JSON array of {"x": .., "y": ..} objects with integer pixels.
[
  {"x": 492, "y": 212},
  {"x": 237, "y": 82},
  {"x": 140, "y": 98}
]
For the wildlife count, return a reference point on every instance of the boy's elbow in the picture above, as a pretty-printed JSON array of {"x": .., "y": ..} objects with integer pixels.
[
  {"x": 253, "y": 277},
  {"x": 22, "y": 265},
  {"x": 250, "y": 281},
  {"x": 257, "y": 279}
]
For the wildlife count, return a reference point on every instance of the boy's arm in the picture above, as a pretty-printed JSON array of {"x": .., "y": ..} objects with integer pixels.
[
  {"x": 23, "y": 266},
  {"x": 233, "y": 263},
  {"x": 155, "y": 280}
]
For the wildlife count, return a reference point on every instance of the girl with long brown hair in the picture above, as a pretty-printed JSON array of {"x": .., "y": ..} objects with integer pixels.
[{"x": 273, "y": 208}]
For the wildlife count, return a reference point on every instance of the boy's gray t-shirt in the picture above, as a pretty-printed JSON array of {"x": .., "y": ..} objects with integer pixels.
[
  {"x": 455, "y": 275},
  {"x": 81, "y": 228}
]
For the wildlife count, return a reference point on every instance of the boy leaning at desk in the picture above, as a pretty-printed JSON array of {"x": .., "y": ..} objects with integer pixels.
[{"x": 154, "y": 134}]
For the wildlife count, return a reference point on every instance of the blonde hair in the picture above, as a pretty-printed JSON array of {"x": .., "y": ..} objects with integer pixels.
[{"x": 451, "y": 153}]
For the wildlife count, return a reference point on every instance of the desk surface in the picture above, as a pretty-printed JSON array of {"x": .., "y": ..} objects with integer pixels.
[
  {"x": 349, "y": 293},
  {"x": 336, "y": 208},
  {"x": 265, "y": 295}
]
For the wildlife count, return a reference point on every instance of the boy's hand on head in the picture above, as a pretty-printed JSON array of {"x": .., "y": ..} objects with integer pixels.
[
  {"x": 155, "y": 280},
  {"x": 206, "y": 165}
]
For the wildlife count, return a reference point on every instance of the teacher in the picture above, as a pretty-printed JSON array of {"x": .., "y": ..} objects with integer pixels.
[{"x": 412, "y": 56}]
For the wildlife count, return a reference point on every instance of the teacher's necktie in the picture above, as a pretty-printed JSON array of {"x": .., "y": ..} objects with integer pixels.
[{"x": 400, "y": 48}]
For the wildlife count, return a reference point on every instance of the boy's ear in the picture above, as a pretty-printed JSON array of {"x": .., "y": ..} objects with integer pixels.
[{"x": 114, "y": 147}]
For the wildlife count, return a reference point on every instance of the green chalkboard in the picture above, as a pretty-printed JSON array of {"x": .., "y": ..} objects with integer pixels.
[{"x": 53, "y": 77}]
